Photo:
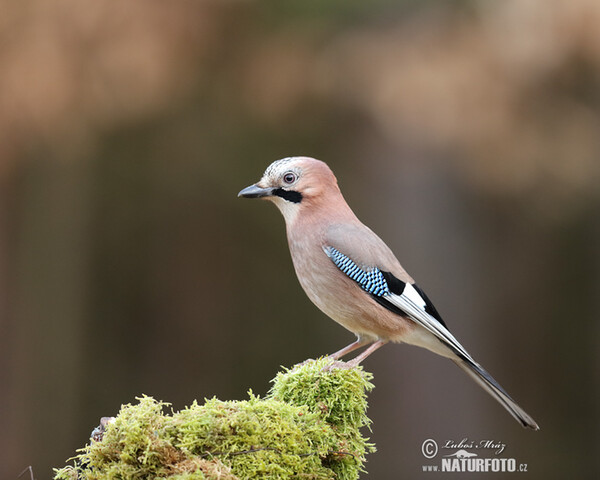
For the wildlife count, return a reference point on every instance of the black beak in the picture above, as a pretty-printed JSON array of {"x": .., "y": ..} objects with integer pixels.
[{"x": 254, "y": 191}]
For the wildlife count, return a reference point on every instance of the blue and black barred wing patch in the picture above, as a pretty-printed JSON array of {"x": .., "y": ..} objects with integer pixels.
[
  {"x": 392, "y": 293},
  {"x": 370, "y": 280}
]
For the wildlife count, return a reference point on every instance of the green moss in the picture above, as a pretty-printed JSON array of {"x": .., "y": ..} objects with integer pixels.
[
  {"x": 339, "y": 395},
  {"x": 307, "y": 427}
]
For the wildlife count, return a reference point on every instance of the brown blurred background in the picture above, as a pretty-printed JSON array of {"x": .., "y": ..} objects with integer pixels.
[{"x": 466, "y": 133}]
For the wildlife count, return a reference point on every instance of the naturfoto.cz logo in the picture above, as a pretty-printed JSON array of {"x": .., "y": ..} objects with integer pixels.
[{"x": 464, "y": 460}]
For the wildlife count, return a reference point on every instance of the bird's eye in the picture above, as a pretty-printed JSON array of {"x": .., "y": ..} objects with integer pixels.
[{"x": 289, "y": 178}]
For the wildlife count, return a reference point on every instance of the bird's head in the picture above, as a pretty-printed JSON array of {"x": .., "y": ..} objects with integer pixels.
[{"x": 295, "y": 184}]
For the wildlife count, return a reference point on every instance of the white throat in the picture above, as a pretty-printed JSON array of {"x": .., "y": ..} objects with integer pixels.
[{"x": 289, "y": 210}]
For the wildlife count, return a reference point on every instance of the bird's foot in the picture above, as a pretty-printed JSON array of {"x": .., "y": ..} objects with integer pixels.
[{"x": 340, "y": 365}]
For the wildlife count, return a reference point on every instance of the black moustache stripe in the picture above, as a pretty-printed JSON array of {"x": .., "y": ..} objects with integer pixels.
[{"x": 289, "y": 195}]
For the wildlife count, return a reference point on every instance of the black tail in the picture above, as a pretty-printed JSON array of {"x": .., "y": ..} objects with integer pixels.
[{"x": 483, "y": 378}]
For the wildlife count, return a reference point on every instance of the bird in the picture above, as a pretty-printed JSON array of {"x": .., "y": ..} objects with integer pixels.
[{"x": 352, "y": 276}]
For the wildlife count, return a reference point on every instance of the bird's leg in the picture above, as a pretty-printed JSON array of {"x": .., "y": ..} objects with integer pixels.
[
  {"x": 346, "y": 350},
  {"x": 374, "y": 346}
]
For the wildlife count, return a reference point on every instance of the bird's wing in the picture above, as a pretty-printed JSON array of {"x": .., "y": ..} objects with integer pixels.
[
  {"x": 364, "y": 247},
  {"x": 402, "y": 297},
  {"x": 414, "y": 305},
  {"x": 410, "y": 301}
]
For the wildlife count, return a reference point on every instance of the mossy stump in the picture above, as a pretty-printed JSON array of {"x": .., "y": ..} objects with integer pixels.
[{"x": 307, "y": 427}]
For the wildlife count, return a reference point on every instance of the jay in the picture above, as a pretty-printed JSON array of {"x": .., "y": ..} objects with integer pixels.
[{"x": 351, "y": 275}]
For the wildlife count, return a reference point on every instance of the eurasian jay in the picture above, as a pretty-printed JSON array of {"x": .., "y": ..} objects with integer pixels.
[{"x": 353, "y": 277}]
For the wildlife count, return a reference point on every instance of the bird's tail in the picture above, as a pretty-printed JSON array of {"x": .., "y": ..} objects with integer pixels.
[{"x": 483, "y": 378}]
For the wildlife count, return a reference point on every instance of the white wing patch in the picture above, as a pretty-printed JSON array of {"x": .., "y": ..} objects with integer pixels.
[
  {"x": 410, "y": 293},
  {"x": 417, "y": 313},
  {"x": 410, "y": 301}
]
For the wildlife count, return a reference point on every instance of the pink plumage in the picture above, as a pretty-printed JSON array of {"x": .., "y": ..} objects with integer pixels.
[{"x": 350, "y": 274}]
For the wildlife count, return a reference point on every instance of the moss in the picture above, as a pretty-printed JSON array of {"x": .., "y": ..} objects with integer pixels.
[
  {"x": 307, "y": 427},
  {"x": 340, "y": 398}
]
